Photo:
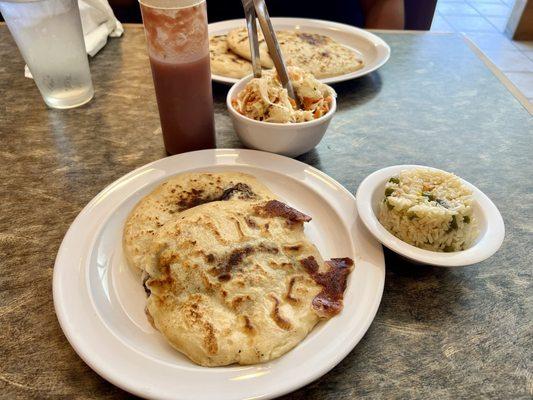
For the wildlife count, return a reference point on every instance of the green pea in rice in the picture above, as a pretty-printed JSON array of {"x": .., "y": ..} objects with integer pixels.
[{"x": 429, "y": 209}]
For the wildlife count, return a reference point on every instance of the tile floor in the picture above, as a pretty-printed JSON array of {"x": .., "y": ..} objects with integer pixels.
[{"x": 483, "y": 22}]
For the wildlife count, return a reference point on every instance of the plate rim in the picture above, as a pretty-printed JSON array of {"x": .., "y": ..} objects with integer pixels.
[
  {"x": 470, "y": 256},
  {"x": 117, "y": 379},
  {"x": 376, "y": 40}
]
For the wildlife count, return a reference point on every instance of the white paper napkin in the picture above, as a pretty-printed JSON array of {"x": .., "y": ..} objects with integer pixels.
[{"x": 98, "y": 22}]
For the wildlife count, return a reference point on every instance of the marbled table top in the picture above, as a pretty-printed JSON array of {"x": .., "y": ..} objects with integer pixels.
[{"x": 439, "y": 333}]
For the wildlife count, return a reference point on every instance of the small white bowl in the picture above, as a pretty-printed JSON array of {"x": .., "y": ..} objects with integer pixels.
[
  {"x": 490, "y": 221},
  {"x": 286, "y": 139}
]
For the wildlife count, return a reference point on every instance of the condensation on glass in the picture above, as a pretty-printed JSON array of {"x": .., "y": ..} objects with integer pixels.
[{"x": 49, "y": 36}]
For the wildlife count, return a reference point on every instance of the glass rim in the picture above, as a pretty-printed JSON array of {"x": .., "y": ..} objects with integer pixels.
[
  {"x": 194, "y": 4},
  {"x": 21, "y": 1}
]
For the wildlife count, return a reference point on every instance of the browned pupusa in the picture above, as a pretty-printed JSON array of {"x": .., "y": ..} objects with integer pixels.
[
  {"x": 178, "y": 194},
  {"x": 238, "y": 282},
  {"x": 224, "y": 62},
  {"x": 314, "y": 53}
]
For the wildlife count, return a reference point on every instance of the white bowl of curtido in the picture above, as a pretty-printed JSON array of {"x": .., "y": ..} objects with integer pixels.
[
  {"x": 265, "y": 118},
  {"x": 430, "y": 216}
]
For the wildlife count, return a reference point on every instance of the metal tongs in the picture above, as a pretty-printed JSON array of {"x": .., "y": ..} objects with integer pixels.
[{"x": 257, "y": 9}]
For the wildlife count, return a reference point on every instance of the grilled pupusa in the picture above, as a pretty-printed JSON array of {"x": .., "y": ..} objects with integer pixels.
[
  {"x": 314, "y": 53},
  {"x": 181, "y": 193},
  {"x": 239, "y": 282}
]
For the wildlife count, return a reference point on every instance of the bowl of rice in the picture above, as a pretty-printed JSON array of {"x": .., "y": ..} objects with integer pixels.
[{"x": 430, "y": 216}]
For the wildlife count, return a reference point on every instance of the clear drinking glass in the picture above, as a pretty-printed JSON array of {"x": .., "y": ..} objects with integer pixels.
[
  {"x": 49, "y": 36},
  {"x": 178, "y": 46}
]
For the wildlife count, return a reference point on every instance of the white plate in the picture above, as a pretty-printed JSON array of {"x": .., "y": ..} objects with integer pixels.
[
  {"x": 374, "y": 49},
  {"x": 490, "y": 221},
  {"x": 100, "y": 303}
]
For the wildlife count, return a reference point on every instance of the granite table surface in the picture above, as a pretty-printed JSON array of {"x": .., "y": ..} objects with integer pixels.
[{"x": 439, "y": 333}]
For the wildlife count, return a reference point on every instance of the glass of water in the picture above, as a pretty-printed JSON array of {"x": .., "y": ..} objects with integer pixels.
[{"x": 49, "y": 36}]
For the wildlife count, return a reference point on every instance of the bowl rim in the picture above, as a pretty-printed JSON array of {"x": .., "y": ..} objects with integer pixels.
[
  {"x": 237, "y": 85},
  {"x": 486, "y": 246}
]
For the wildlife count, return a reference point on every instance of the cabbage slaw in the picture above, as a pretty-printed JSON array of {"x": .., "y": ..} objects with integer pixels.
[{"x": 264, "y": 99}]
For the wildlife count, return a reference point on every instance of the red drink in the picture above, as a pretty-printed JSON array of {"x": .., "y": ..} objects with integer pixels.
[
  {"x": 178, "y": 46},
  {"x": 185, "y": 104}
]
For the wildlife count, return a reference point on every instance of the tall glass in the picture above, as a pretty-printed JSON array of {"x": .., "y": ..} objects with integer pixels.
[
  {"x": 178, "y": 46},
  {"x": 49, "y": 36}
]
